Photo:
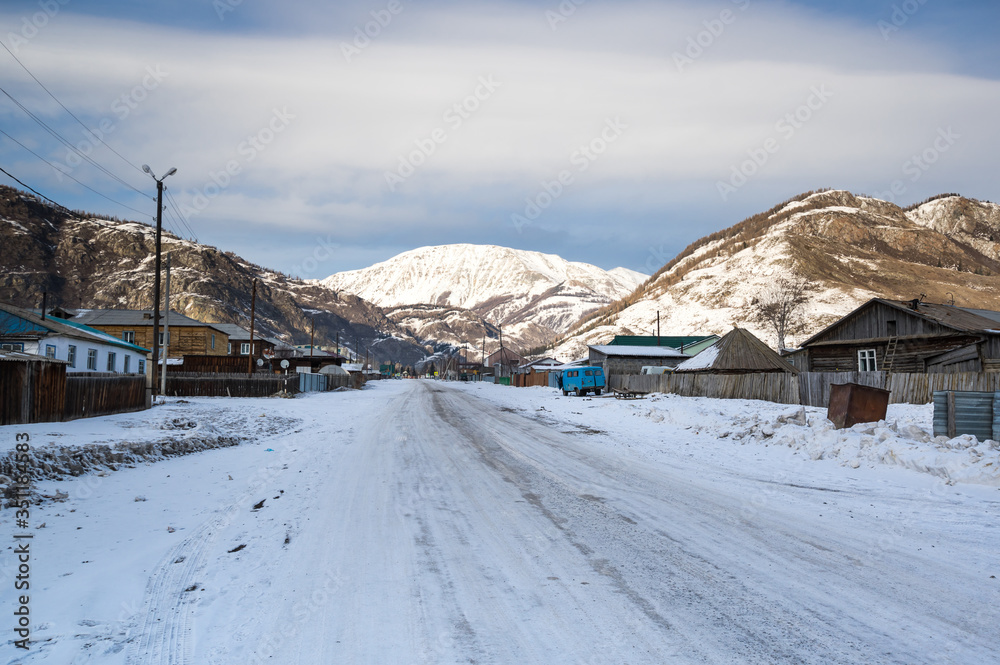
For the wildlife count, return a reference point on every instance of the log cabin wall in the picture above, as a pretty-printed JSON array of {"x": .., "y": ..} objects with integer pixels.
[{"x": 184, "y": 340}]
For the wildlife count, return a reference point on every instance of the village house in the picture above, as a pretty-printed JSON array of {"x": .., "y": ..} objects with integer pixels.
[
  {"x": 689, "y": 344},
  {"x": 186, "y": 336},
  {"x": 622, "y": 359},
  {"x": 84, "y": 348},
  {"x": 905, "y": 336},
  {"x": 239, "y": 341},
  {"x": 504, "y": 362}
]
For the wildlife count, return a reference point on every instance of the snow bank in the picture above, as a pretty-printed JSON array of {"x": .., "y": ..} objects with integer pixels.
[{"x": 902, "y": 440}]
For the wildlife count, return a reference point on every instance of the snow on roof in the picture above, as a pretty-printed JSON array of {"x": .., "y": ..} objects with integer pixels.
[
  {"x": 638, "y": 351},
  {"x": 703, "y": 360}
]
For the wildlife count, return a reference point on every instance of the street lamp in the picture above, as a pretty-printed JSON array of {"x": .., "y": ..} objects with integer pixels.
[{"x": 156, "y": 279}]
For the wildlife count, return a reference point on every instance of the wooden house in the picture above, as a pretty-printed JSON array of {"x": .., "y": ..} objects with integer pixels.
[
  {"x": 737, "y": 352},
  {"x": 187, "y": 336},
  {"x": 622, "y": 359},
  {"x": 505, "y": 362},
  {"x": 239, "y": 341},
  {"x": 906, "y": 336}
]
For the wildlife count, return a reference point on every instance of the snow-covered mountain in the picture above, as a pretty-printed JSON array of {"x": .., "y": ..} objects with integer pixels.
[
  {"x": 534, "y": 296},
  {"x": 91, "y": 262},
  {"x": 850, "y": 248}
]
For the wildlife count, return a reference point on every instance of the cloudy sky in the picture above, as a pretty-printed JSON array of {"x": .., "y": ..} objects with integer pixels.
[{"x": 313, "y": 138}]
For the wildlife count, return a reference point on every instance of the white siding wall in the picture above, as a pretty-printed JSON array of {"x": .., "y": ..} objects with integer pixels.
[{"x": 62, "y": 345}]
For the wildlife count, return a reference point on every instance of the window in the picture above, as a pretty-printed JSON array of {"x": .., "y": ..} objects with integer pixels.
[
  {"x": 161, "y": 339},
  {"x": 50, "y": 350},
  {"x": 229, "y": 349},
  {"x": 92, "y": 359},
  {"x": 111, "y": 361},
  {"x": 142, "y": 366},
  {"x": 12, "y": 346},
  {"x": 866, "y": 360},
  {"x": 129, "y": 336},
  {"x": 890, "y": 327},
  {"x": 588, "y": 372},
  {"x": 128, "y": 362},
  {"x": 244, "y": 348},
  {"x": 71, "y": 356},
  {"x": 212, "y": 344}
]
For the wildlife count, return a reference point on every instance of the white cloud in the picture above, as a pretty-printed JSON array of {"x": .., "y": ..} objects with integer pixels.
[{"x": 353, "y": 120}]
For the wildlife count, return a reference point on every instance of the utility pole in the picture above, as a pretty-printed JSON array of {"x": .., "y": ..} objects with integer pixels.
[
  {"x": 156, "y": 268},
  {"x": 166, "y": 332},
  {"x": 657, "y": 327},
  {"x": 312, "y": 337},
  {"x": 338, "y": 343},
  {"x": 253, "y": 312}
]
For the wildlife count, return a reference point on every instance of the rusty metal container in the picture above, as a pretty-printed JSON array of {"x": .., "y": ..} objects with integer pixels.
[{"x": 853, "y": 403}]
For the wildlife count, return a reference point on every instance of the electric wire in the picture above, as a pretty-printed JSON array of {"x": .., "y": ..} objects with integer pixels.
[
  {"x": 35, "y": 191},
  {"x": 105, "y": 196},
  {"x": 69, "y": 145},
  {"x": 81, "y": 123}
]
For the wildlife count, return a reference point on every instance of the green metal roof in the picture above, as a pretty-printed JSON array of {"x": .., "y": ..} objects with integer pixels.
[{"x": 674, "y": 342}]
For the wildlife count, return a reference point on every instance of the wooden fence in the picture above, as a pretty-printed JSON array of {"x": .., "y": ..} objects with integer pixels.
[
  {"x": 31, "y": 391},
  {"x": 93, "y": 394},
  {"x": 530, "y": 380},
  {"x": 186, "y": 384},
  {"x": 808, "y": 388}
]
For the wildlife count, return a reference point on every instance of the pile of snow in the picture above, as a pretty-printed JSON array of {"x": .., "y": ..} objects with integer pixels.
[{"x": 902, "y": 440}]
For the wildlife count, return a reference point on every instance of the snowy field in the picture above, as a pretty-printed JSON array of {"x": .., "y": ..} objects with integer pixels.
[{"x": 427, "y": 522}]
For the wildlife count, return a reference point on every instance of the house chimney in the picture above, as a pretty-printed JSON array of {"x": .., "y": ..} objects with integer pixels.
[{"x": 45, "y": 297}]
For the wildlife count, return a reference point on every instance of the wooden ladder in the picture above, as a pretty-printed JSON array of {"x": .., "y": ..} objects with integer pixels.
[{"x": 890, "y": 357}]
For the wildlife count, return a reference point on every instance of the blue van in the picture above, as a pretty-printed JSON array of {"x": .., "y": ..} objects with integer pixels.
[{"x": 582, "y": 380}]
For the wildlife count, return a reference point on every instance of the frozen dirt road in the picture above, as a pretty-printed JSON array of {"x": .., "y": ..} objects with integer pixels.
[{"x": 441, "y": 527}]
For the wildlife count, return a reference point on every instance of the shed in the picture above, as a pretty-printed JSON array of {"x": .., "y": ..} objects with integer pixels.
[
  {"x": 622, "y": 359},
  {"x": 737, "y": 352}
]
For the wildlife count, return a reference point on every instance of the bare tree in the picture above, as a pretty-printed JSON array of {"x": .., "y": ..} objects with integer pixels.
[{"x": 779, "y": 306}]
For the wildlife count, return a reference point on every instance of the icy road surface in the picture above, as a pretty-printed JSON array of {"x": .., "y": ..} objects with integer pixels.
[{"x": 424, "y": 522}]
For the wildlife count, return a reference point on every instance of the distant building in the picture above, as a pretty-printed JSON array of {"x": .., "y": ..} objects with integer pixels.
[
  {"x": 239, "y": 341},
  {"x": 505, "y": 362},
  {"x": 85, "y": 349}
]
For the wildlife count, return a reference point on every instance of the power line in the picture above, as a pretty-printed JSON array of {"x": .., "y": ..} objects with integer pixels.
[
  {"x": 92, "y": 132},
  {"x": 29, "y": 187},
  {"x": 119, "y": 203},
  {"x": 69, "y": 145},
  {"x": 177, "y": 210}
]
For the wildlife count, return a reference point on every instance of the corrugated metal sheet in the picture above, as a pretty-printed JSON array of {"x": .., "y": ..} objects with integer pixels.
[
  {"x": 311, "y": 383},
  {"x": 974, "y": 414}
]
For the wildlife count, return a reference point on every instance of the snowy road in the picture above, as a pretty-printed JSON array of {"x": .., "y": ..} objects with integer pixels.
[{"x": 443, "y": 527}]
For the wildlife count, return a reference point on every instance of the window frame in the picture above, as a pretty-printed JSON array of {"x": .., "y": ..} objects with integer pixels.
[
  {"x": 866, "y": 357},
  {"x": 50, "y": 351},
  {"x": 128, "y": 336},
  {"x": 92, "y": 360},
  {"x": 71, "y": 355},
  {"x": 112, "y": 361}
]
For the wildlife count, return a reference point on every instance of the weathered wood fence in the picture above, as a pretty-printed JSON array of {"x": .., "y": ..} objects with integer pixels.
[
  {"x": 94, "y": 394},
  {"x": 186, "y": 384},
  {"x": 808, "y": 388},
  {"x": 31, "y": 391}
]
